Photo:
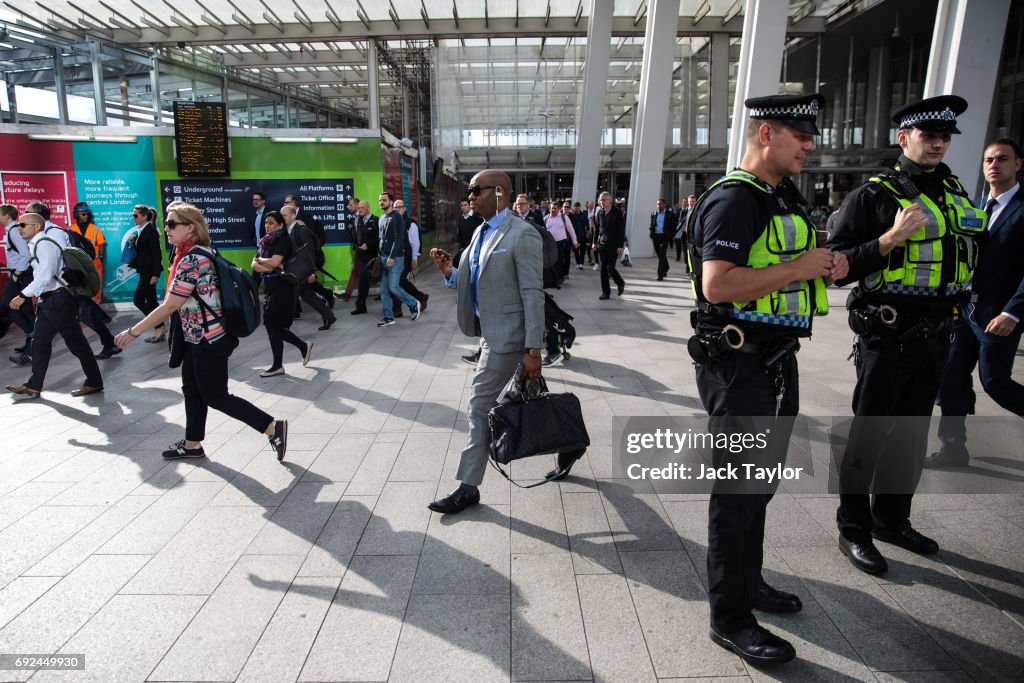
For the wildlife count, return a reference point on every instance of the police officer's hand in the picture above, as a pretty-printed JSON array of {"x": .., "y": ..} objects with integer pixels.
[
  {"x": 840, "y": 267},
  {"x": 908, "y": 221},
  {"x": 812, "y": 264},
  {"x": 1001, "y": 325}
]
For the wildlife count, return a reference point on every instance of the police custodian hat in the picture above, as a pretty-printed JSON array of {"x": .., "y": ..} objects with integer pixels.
[
  {"x": 934, "y": 114},
  {"x": 798, "y": 111}
]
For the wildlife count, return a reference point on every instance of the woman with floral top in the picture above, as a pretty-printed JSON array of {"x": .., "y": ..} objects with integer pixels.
[{"x": 206, "y": 344}]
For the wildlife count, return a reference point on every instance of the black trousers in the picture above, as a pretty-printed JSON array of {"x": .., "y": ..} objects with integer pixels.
[
  {"x": 308, "y": 293},
  {"x": 405, "y": 283},
  {"x": 895, "y": 394},
  {"x": 661, "y": 251},
  {"x": 609, "y": 258},
  {"x": 24, "y": 317},
  {"x": 58, "y": 313},
  {"x": 145, "y": 295},
  {"x": 564, "y": 257},
  {"x": 994, "y": 356},
  {"x": 204, "y": 383},
  {"x": 579, "y": 250},
  {"x": 95, "y": 318},
  {"x": 679, "y": 248},
  {"x": 737, "y": 386},
  {"x": 364, "y": 283},
  {"x": 277, "y": 318}
]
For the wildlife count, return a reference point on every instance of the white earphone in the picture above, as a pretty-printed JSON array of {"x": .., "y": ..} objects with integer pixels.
[{"x": 497, "y": 192}]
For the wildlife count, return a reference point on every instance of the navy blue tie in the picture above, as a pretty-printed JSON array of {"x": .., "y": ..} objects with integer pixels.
[{"x": 474, "y": 264}]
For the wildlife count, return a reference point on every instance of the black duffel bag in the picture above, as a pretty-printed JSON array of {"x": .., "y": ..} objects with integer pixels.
[{"x": 530, "y": 421}]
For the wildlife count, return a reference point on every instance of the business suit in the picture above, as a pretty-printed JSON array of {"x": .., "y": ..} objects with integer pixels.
[
  {"x": 610, "y": 237},
  {"x": 660, "y": 239},
  {"x": 148, "y": 262},
  {"x": 999, "y": 287},
  {"x": 511, "y": 320}
]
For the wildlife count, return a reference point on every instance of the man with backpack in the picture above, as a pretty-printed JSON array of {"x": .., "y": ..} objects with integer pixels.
[
  {"x": 90, "y": 313},
  {"x": 57, "y": 312},
  {"x": 316, "y": 228}
]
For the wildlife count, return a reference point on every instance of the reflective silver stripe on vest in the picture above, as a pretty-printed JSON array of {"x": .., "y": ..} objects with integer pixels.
[
  {"x": 792, "y": 298},
  {"x": 926, "y": 250}
]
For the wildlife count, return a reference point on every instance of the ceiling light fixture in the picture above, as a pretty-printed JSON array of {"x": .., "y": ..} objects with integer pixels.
[
  {"x": 347, "y": 141},
  {"x": 67, "y": 137}
]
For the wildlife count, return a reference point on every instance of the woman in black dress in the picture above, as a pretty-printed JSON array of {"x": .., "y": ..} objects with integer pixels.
[{"x": 274, "y": 249}]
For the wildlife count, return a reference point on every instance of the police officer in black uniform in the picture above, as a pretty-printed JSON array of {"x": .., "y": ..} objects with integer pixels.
[
  {"x": 910, "y": 235},
  {"x": 754, "y": 302}
]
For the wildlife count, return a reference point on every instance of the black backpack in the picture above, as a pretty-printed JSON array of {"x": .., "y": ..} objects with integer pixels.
[
  {"x": 79, "y": 240},
  {"x": 239, "y": 295}
]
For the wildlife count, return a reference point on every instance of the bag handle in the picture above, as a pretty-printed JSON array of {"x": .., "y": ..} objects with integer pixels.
[{"x": 554, "y": 476}]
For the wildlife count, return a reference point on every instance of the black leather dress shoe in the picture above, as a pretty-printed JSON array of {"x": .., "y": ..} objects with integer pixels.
[
  {"x": 456, "y": 501},
  {"x": 564, "y": 464},
  {"x": 771, "y": 600},
  {"x": 327, "y": 323},
  {"x": 947, "y": 459},
  {"x": 864, "y": 556},
  {"x": 908, "y": 538},
  {"x": 605, "y": 297},
  {"x": 756, "y": 645},
  {"x": 622, "y": 288}
]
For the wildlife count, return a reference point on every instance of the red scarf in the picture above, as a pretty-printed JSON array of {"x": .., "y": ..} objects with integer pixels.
[{"x": 182, "y": 249}]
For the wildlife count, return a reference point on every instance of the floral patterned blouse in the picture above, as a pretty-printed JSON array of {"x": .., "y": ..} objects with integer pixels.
[{"x": 197, "y": 274}]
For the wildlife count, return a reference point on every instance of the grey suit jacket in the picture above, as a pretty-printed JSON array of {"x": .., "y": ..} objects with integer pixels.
[{"x": 509, "y": 293}]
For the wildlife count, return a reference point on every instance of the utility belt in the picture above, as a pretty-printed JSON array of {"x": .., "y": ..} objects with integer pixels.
[
  {"x": 708, "y": 346},
  {"x": 906, "y": 324}
]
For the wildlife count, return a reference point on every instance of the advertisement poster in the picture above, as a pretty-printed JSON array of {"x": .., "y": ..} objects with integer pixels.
[
  {"x": 20, "y": 188},
  {"x": 231, "y": 217},
  {"x": 105, "y": 183}
]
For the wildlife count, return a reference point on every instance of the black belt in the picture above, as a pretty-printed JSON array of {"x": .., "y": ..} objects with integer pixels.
[{"x": 46, "y": 295}]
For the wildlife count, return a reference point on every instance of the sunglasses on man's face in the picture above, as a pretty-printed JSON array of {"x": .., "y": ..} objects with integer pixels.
[
  {"x": 25, "y": 225},
  {"x": 477, "y": 189}
]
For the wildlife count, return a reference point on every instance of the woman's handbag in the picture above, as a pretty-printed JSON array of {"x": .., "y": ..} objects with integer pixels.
[
  {"x": 529, "y": 420},
  {"x": 129, "y": 252}
]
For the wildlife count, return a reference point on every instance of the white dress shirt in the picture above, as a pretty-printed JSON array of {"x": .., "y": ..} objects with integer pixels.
[
  {"x": 18, "y": 255},
  {"x": 47, "y": 262},
  {"x": 414, "y": 239}
]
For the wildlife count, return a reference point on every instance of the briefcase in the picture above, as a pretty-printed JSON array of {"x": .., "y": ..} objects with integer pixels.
[{"x": 532, "y": 421}]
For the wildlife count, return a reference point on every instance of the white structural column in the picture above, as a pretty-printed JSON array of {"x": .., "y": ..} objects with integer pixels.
[
  {"x": 590, "y": 114},
  {"x": 764, "y": 37},
  {"x": 964, "y": 61},
  {"x": 98, "y": 95},
  {"x": 719, "y": 113},
  {"x": 371, "y": 80},
  {"x": 651, "y": 121}
]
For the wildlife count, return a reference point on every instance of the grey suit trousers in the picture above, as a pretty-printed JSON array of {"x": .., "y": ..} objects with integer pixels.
[{"x": 493, "y": 372}]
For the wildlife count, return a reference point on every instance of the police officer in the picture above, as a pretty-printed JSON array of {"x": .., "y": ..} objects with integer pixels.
[
  {"x": 910, "y": 237},
  {"x": 759, "y": 278}
]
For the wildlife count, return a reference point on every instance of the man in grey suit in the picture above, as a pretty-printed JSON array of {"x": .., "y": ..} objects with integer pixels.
[{"x": 499, "y": 299}]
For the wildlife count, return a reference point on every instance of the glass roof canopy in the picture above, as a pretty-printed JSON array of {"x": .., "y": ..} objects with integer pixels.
[{"x": 507, "y": 73}]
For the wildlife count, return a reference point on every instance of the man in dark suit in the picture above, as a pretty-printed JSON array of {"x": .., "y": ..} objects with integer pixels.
[
  {"x": 683, "y": 215},
  {"x": 468, "y": 221},
  {"x": 610, "y": 239},
  {"x": 663, "y": 225},
  {"x": 989, "y": 332},
  {"x": 499, "y": 299}
]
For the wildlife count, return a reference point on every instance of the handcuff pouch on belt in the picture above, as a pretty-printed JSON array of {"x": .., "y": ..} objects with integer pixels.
[{"x": 708, "y": 346}]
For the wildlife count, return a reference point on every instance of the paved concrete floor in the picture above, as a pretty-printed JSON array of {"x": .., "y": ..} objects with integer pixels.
[{"x": 330, "y": 567}]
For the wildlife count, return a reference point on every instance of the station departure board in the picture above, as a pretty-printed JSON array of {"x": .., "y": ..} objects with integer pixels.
[{"x": 201, "y": 139}]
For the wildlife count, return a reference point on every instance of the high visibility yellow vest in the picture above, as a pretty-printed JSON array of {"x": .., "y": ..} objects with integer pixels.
[
  {"x": 786, "y": 237},
  {"x": 939, "y": 258}
]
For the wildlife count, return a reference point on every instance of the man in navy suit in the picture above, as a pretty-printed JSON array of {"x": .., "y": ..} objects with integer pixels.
[{"x": 989, "y": 332}]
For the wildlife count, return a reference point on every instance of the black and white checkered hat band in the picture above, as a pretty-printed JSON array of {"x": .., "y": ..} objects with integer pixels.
[
  {"x": 792, "y": 111},
  {"x": 922, "y": 116}
]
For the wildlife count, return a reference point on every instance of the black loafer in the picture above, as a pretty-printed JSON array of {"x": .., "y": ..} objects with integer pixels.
[
  {"x": 564, "y": 464},
  {"x": 771, "y": 600},
  {"x": 622, "y": 288},
  {"x": 864, "y": 556},
  {"x": 756, "y": 645},
  {"x": 605, "y": 297},
  {"x": 908, "y": 538},
  {"x": 456, "y": 501},
  {"x": 947, "y": 459},
  {"x": 327, "y": 323}
]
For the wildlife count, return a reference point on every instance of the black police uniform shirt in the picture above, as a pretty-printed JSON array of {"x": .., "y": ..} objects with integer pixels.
[
  {"x": 869, "y": 211},
  {"x": 728, "y": 222}
]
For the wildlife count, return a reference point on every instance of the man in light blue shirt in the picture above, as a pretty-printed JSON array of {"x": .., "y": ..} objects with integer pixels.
[{"x": 663, "y": 224}]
